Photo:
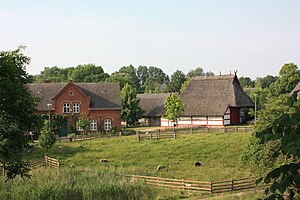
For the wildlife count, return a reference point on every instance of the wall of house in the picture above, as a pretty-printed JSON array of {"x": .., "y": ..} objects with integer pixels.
[
  {"x": 194, "y": 121},
  {"x": 101, "y": 115}
]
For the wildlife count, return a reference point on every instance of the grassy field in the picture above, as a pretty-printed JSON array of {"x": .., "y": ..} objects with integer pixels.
[{"x": 218, "y": 154}]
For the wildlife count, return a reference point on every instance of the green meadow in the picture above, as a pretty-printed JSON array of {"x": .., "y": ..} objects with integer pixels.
[{"x": 218, "y": 154}]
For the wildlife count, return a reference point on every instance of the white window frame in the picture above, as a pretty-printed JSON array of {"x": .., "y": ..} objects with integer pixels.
[
  {"x": 76, "y": 107},
  {"x": 93, "y": 125},
  {"x": 107, "y": 124},
  {"x": 66, "y": 108}
]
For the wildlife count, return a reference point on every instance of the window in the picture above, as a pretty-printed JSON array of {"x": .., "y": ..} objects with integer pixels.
[
  {"x": 66, "y": 107},
  {"x": 93, "y": 125},
  {"x": 76, "y": 108},
  {"x": 78, "y": 128},
  {"x": 107, "y": 124}
]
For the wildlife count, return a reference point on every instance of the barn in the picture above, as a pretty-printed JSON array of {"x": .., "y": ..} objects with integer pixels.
[
  {"x": 213, "y": 101},
  {"x": 153, "y": 105}
]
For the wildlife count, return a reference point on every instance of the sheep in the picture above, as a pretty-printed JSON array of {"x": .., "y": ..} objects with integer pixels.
[
  {"x": 72, "y": 165},
  {"x": 159, "y": 167},
  {"x": 103, "y": 160},
  {"x": 197, "y": 164}
]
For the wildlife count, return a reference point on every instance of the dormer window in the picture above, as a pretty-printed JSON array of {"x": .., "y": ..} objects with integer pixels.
[
  {"x": 76, "y": 107},
  {"x": 66, "y": 107}
]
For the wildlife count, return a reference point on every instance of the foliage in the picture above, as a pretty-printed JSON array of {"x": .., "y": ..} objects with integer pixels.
[
  {"x": 177, "y": 79},
  {"x": 198, "y": 72},
  {"x": 280, "y": 121},
  {"x": 174, "y": 107},
  {"x": 47, "y": 138},
  {"x": 88, "y": 73},
  {"x": 265, "y": 82},
  {"x": 81, "y": 73},
  {"x": 131, "y": 112},
  {"x": 17, "y": 108},
  {"x": 289, "y": 76},
  {"x": 246, "y": 82}
]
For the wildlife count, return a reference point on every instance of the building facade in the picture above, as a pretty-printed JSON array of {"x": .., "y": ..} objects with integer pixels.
[
  {"x": 212, "y": 101},
  {"x": 100, "y": 103}
]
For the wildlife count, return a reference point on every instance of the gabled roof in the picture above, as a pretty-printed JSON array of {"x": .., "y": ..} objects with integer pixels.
[
  {"x": 102, "y": 95},
  {"x": 152, "y": 104},
  {"x": 296, "y": 89},
  {"x": 212, "y": 95}
]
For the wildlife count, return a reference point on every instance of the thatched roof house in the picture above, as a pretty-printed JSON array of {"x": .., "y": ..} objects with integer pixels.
[
  {"x": 153, "y": 105},
  {"x": 213, "y": 101}
]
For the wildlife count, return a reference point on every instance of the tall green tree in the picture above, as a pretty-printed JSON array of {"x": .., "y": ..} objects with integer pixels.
[
  {"x": 289, "y": 76},
  {"x": 177, "y": 79},
  {"x": 53, "y": 74},
  {"x": 174, "y": 107},
  {"x": 17, "y": 108},
  {"x": 265, "y": 82},
  {"x": 131, "y": 111}
]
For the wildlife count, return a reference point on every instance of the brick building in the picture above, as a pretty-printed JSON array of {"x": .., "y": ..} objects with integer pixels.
[{"x": 100, "y": 103}]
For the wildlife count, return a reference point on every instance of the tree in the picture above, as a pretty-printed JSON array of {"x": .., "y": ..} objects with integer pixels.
[
  {"x": 142, "y": 74},
  {"x": 53, "y": 74},
  {"x": 47, "y": 137},
  {"x": 120, "y": 78},
  {"x": 174, "y": 107},
  {"x": 198, "y": 72},
  {"x": 265, "y": 82},
  {"x": 246, "y": 82},
  {"x": 177, "y": 79},
  {"x": 279, "y": 125},
  {"x": 131, "y": 112},
  {"x": 88, "y": 73},
  {"x": 17, "y": 108},
  {"x": 83, "y": 122},
  {"x": 289, "y": 76}
]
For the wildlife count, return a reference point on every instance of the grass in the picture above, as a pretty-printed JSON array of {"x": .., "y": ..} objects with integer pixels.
[
  {"x": 72, "y": 184},
  {"x": 218, "y": 153}
]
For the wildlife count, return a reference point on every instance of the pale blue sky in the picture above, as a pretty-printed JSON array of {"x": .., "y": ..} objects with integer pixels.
[{"x": 255, "y": 37}]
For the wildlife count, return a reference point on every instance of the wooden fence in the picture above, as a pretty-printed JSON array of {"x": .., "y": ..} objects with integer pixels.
[
  {"x": 170, "y": 133},
  {"x": 155, "y": 135},
  {"x": 46, "y": 161},
  {"x": 211, "y": 187}
]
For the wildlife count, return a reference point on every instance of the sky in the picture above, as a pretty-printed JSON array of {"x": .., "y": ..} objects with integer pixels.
[{"x": 255, "y": 37}]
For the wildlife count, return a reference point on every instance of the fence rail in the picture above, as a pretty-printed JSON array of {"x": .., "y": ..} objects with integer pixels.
[{"x": 212, "y": 187}]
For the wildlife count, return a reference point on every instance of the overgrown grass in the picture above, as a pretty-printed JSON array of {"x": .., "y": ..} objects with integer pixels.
[
  {"x": 73, "y": 184},
  {"x": 218, "y": 153}
]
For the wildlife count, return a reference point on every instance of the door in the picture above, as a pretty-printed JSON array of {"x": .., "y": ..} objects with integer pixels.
[{"x": 63, "y": 128}]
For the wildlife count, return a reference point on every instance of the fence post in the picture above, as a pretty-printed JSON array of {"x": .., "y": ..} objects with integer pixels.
[
  {"x": 150, "y": 136},
  {"x": 232, "y": 184},
  {"x": 138, "y": 135},
  {"x": 236, "y": 129},
  {"x": 211, "y": 187},
  {"x": 158, "y": 133},
  {"x": 174, "y": 135},
  {"x": 191, "y": 130},
  {"x": 207, "y": 129}
]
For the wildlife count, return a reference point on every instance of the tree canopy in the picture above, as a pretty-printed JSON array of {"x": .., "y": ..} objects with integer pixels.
[
  {"x": 177, "y": 79},
  {"x": 17, "y": 108}
]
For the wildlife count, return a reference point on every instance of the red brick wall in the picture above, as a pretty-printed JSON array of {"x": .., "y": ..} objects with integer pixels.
[
  {"x": 77, "y": 97},
  {"x": 101, "y": 115}
]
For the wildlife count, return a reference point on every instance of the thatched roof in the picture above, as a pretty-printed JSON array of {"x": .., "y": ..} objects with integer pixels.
[
  {"x": 152, "y": 104},
  {"x": 211, "y": 95},
  {"x": 102, "y": 95},
  {"x": 296, "y": 90}
]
